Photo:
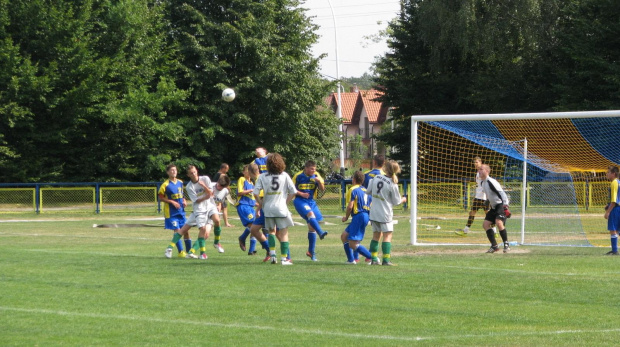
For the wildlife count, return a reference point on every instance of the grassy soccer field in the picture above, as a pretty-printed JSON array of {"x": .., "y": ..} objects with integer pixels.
[{"x": 63, "y": 282}]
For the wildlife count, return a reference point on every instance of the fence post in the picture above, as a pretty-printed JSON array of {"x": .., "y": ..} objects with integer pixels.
[
  {"x": 37, "y": 198},
  {"x": 343, "y": 187}
]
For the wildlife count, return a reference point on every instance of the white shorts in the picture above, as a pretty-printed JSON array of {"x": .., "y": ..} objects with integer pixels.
[
  {"x": 201, "y": 219},
  {"x": 382, "y": 227},
  {"x": 280, "y": 222}
]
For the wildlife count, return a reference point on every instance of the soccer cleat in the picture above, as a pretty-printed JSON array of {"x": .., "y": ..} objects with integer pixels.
[
  {"x": 368, "y": 261},
  {"x": 506, "y": 247},
  {"x": 375, "y": 262},
  {"x": 182, "y": 254},
  {"x": 611, "y": 253},
  {"x": 352, "y": 262},
  {"x": 466, "y": 229},
  {"x": 274, "y": 259},
  {"x": 218, "y": 247},
  {"x": 388, "y": 263},
  {"x": 168, "y": 253},
  {"x": 311, "y": 256},
  {"x": 460, "y": 232},
  {"x": 252, "y": 253},
  {"x": 267, "y": 258},
  {"x": 191, "y": 256},
  {"x": 493, "y": 249},
  {"x": 204, "y": 256},
  {"x": 322, "y": 236},
  {"x": 286, "y": 262},
  {"x": 242, "y": 244}
]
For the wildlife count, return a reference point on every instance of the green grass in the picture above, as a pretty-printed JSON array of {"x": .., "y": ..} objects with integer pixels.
[{"x": 64, "y": 282}]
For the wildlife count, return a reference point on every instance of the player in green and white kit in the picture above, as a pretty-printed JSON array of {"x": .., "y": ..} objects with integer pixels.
[
  {"x": 278, "y": 190},
  {"x": 204, "y": 213},
  {"x": 220, "y": 192},
  {"x": 384, "y": 191}
]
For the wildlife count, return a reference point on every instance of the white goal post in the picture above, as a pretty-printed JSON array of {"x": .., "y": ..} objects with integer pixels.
[{"x": 551, "y": 164}]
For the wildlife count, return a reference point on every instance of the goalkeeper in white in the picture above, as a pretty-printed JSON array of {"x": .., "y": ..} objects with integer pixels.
[{"x": 498, "y": 212}]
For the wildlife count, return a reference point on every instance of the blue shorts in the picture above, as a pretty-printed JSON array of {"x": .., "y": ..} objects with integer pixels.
[
  {"x": 174, "y": 223},
  {"x": 246, "y": 214},
  {"x": 357, "y": 227},
  {"x": 613, "y": 222},
  {"x": 259, "y": 220},
  {"x": 304, "y": 207}
]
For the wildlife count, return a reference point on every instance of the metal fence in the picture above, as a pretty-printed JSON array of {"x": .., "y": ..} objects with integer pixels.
[{"x": 141, "y": 197}]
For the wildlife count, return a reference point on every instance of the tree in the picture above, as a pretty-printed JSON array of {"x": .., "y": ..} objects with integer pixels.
[
  {"x": 473, "y": 56},
  {"x": 262, "y": 51},
  {"x": 90, "y": 90}
]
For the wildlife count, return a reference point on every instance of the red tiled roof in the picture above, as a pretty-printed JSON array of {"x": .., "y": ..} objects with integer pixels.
[
  {"x": 373, "y": 107},
  {"x": 349, "y": 100}
]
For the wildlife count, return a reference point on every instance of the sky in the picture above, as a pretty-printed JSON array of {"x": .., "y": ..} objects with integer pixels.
[{"x": 354, "y": 20}]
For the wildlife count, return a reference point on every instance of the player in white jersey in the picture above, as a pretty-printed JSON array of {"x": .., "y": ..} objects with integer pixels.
[
  {"x": 478, "y": 203},
  {"x": 278, "y": 190},
  {"x": 385, "y": 194},
  {"x": 498, "y": 211},
  {"x": 220, "y": 194},
  {"x": 204, "y": 213}
]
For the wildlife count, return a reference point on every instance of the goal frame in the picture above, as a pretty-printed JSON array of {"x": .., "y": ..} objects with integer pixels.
[{"x": 472, "y": 117}]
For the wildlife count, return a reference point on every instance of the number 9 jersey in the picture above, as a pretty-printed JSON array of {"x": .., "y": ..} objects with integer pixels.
[{"x": 385, "y": 194}]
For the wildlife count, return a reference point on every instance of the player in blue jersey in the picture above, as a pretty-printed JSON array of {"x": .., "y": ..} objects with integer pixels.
[
  {"x": 171, "y": 194},
  {"x": 358, "y": 206},
  {"x": 261, "y": 159},
  {"x": 377, "y": 162},
  {"x": 245, "y": 205},
  {"x": 307, "y": 182},
  {"x": 612, "y": 211}
]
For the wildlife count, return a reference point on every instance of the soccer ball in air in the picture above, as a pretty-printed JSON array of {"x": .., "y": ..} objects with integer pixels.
[{"x": 228, "y": 95}]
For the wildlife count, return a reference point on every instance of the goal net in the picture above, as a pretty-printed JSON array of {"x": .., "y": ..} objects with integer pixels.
[{"x": 551, "y": 165}]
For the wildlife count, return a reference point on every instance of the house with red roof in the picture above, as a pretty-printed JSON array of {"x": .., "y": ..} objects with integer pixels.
[{"x": 362, "y": 115}]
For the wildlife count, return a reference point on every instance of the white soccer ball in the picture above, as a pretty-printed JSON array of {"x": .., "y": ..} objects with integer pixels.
[{"x": 228, "y": 95}]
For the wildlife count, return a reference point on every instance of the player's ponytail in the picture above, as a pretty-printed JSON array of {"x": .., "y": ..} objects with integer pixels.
[{"x": 391, "y": 169}]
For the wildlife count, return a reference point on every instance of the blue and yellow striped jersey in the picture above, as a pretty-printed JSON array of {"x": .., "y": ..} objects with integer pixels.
[
  {"x": 306, "y": 184},
  {"x": 261, "y": 163},
  {"x": 614, "y": 194},
  {"x": 362, "y": 200},
  {"x": 172, "y": 191},
  {"x": 370, "y": 174},
  {"x": 243, "y": 184}
]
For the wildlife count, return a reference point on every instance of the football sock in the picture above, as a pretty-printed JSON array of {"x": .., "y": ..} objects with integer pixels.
[
  {"x": 201, "y": 244},
  {"x": 179, "y": 245},
  {"x": 315, "y": 225},
  {"x": 491, "y": 237},
  {"x": 504, "y": 235},
  {"x": 175, "y": 238},
  {"x": 348, "y": 252},
  {"x": 374, "y": 249},
  {"x": 311, "y": 241},
  {"x": 272, "y": 241},
  {"x": 284, "y": 251},
  {"x": 614, "y": 243},
  {"x": 217, "y": 231},
  {"x": 252, "y": 248},
  {"x": 363, "y": 251},
  {"x": 356, "y": 255},
  {"x": 265, "y": 245},
  {"x": 386, "y": 248},
  {"x": 188, "y": 244},
  {"x": 470, "y": 221},
  {"x": 245, "y": 234}
]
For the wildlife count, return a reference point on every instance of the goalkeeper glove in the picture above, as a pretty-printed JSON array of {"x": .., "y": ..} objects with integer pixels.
[{"x": 507, "y": 212}]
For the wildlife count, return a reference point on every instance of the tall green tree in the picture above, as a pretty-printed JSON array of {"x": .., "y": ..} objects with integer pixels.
[
  {"x": 473, "y": 56},
  {"x": 261, "y": 49},
  {"x": 89, "y": 90}
]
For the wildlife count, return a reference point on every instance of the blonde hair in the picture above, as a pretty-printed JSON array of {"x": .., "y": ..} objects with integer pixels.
[{"x": 391, "y": 169}]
